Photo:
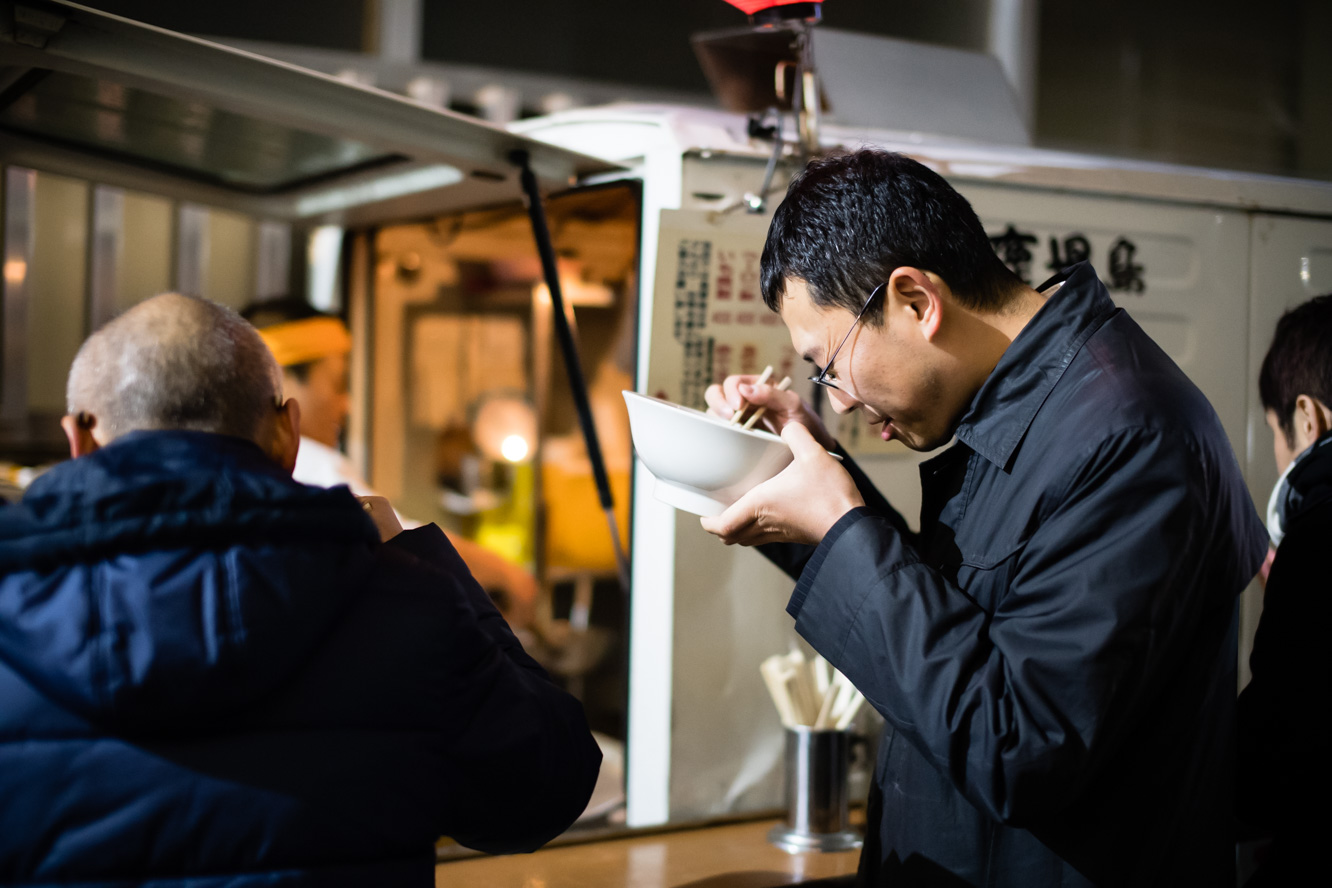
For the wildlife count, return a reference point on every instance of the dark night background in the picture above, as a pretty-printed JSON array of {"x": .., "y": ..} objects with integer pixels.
[{"x": 1227, "y": 84}]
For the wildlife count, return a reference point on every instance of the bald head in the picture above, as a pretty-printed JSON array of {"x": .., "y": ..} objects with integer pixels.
[{"x": 175, "y": 362}]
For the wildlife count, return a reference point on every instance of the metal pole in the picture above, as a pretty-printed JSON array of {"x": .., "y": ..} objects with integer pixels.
[
  {"x": 569, "y": 349},
  {"x": 1013, "y": 38},
  {"x": 399, "y": 31}
]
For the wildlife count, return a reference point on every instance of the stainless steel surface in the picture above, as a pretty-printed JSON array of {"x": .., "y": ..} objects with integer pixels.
[
  {"x": 191, "y": 248},
  {"x": 247, "y": 152},
  {"x": 20, "y": 188},
  {"x": 247, "y": 124},
  {"x": 399, "y": 30},
  {"x": 866, "y": 81},
  {"x": 817, "y": 816},
  {"x": 903, "y": 85},
  {"x": 107, "y": 248},
  {"x": 273, "y": 260}
]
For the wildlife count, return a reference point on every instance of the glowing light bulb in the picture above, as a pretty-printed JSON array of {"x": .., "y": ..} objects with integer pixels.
[
  {"x": 514, "y": 448},
  {"x": 15, "y": 271}
]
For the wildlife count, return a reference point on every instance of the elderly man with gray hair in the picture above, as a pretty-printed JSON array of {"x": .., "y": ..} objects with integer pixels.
[{"x": 213, "y": 675}]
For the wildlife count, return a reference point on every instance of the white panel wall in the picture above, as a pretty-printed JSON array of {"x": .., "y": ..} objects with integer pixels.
[{"x": 1193, "y": 269}]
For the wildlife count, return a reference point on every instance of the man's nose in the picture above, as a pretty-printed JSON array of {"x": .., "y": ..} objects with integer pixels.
[{"x": 841, "y": 401}]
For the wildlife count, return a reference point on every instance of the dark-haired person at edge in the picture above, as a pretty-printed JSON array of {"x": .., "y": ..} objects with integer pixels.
[
  {"x": 312, "y": 348},
  {"x": 1054, "y": 653},
  {"x": 1285, "y": 756},
  {"x": 213, "y": 675}
]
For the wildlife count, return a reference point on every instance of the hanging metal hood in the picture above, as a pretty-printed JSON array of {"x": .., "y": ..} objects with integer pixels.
[
  {"x": 93, "y": 94},
  {"x": 867, "y": 81}
]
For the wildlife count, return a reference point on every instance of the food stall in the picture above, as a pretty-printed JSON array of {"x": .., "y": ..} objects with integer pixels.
[
  {"x": 173, "y": 162},
  {"x": 1205, "y": 260}
]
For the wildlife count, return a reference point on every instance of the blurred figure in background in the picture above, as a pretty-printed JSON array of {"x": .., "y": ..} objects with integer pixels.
[
  {"x": 213, "y": 675},
  {"x": 312, "y": 349},
  {"x": 1283, "y": 750}
]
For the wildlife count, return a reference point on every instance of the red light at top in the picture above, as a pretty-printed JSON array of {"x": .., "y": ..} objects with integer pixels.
[{"x": 749, "y": 7}]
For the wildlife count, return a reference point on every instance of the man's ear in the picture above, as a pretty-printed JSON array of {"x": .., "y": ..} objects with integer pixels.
[
  {"x": 915, "y": 295},
  {"x": 286, "y": 441},
  {"x": 79, "y": 432},
  {"x": 1312, "y": 419}
]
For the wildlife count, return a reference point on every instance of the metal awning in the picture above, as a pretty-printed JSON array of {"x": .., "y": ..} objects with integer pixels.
[{"x": 83, "y": 90}]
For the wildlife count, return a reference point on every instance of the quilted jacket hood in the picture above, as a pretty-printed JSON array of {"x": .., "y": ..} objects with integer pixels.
[{"x": 160, "y": 577}]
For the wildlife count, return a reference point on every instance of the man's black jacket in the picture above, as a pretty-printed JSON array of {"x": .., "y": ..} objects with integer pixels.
[
  {"x": 1055, "y": 653},
  {"x": 1285, "y": 755}
]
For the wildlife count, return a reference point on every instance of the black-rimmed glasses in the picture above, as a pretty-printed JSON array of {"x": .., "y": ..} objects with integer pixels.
[{"x": 822, "y": 377}]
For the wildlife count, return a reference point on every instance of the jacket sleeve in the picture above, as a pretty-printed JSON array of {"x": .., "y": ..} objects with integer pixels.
[
  {"x": 518, "y": 761},
  {"x": 792, "y": 557},
  {"x": 1282, "y": 748},
  {"x": 1018, "y": 708},
  {"x": 432, "y": 546}
]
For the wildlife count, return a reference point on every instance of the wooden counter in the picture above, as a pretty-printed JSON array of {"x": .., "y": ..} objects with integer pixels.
[{"x": 734, "y": 855}]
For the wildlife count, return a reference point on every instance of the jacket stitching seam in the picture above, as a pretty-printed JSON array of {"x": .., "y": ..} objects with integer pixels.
[{"x": 869, "y": 587}]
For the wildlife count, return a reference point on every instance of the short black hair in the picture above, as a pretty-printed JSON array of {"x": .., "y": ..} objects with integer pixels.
[
  {"x": 849, "y": 220},
  {"x": 1299, "y": 362},
  {"x": 282, "y": 310}
]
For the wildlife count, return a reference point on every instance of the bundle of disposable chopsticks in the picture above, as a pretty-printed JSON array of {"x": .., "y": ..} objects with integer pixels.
[
  {"x": 754, "y": 417},
  {"x": 810, "y": 692}
]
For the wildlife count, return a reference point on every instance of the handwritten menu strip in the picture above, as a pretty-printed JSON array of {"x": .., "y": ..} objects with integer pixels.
[
  {"x": 709, "y": 319},
  {"x": 692, "y": 269}
]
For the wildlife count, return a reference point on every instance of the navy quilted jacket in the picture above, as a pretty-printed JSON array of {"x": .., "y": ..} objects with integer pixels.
[{"x": 212, "y": 675}]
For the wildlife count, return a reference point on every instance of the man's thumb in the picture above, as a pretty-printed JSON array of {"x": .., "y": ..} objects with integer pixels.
[
  {"x": 755, "y": 394},
  {"x": 801, "y": 442}
]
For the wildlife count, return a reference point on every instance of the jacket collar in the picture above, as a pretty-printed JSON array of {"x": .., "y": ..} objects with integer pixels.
[
  {"x": 1033, "y": 364},
  {"x": 1309, "y": 482},
  {"x": 164, "y": 488},
  {"x": 137, "y": 456}
]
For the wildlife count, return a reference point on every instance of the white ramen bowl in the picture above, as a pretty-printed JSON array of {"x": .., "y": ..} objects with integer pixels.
[{"x": 700, "y": 463}]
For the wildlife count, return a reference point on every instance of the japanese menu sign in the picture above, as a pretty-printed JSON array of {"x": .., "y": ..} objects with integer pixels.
[
  {"x": 1118, "y": 264},
  {"x": 708, "y": 316}
]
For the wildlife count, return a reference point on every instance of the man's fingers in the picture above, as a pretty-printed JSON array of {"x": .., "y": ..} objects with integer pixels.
[
  {"x": 732, "y": 524},
  {"x": 381, "y": 513},
  {"x": 741, "y": 389},
  {"x": 724, "y": 525},
  {"x": 715, "y": 398},
  {"x": 801, "y": 442},
  {"x": 755, "y": 394}
]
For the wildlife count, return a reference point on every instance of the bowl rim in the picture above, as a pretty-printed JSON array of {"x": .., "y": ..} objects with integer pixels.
[{"x": 761, "y": 434}]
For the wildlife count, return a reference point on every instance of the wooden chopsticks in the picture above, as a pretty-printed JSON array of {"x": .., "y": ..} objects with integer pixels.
[
  {"x": 744, "y": 405},
  {"x": 781, "y": 387},
  {"x": 757, "y": 414},
  {"x": 810, "y": 693}
]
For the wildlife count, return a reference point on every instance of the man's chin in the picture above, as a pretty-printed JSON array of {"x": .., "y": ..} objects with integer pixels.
[{"x": 912, "y": 440}]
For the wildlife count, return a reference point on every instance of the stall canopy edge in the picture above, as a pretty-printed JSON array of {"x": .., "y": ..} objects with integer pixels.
[{"x": 302, "y": 144}]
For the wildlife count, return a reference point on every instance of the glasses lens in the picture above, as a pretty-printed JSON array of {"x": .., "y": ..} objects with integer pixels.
[{"x": 819, "y": 380}]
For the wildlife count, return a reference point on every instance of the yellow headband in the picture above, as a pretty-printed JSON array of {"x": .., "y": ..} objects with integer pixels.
[{"x": 299, "y": 342}]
